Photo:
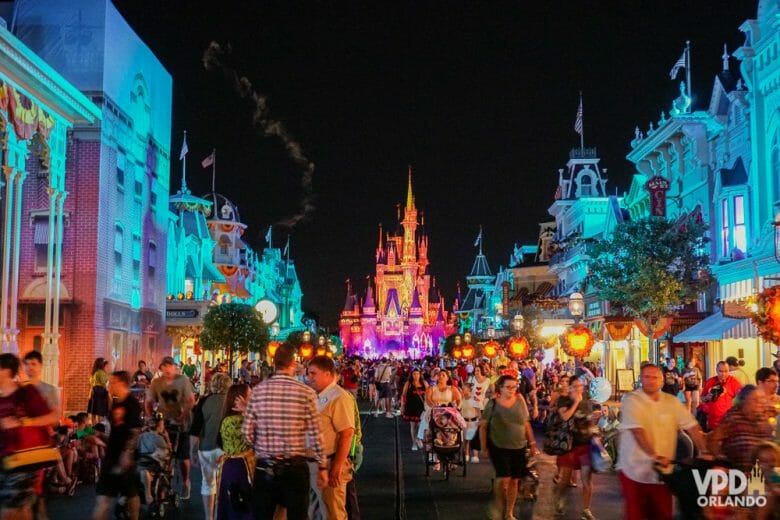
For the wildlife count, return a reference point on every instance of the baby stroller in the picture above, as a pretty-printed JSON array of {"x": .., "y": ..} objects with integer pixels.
[{"x": 445, "y": 442}]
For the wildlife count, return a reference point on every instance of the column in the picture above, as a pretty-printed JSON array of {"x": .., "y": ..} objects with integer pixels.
[
  {"x": 10, "y": 175},
  {"x": 13, "y": 346},
  {"x": 55, "y": 332},
  {"x": 50, "y": 350}
]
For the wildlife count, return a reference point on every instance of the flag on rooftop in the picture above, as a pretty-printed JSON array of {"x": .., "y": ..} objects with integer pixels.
[
  {"x": 578, "y": 120},
  {"x": 208, "y": 161},
  {"x": 184, "y": 148},
  {"x": 680, "y": 64}
]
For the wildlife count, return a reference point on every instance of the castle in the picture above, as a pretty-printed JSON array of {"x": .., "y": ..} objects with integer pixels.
[{"x": 402, "y": 311}]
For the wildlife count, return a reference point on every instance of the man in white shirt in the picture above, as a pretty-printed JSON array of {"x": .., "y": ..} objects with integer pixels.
[
  {"x": 384, "y": 376},
  {"x": 650, "y": 420}
]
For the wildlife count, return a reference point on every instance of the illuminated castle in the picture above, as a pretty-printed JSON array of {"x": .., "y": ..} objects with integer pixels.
[{"x": 402, "y": 310}]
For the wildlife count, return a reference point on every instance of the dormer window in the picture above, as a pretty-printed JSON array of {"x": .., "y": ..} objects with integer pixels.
[{"x": 224, "y": 245}]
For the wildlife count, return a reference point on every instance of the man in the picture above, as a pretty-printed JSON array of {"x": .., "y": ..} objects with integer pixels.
[
  {"x": 33, "y": 367},
  {"x": 189, "y": 370},
  {"x": 175, "y": 398},
  {"x": 648, "y": 435},
  {"x": 718, "y": 395},
  {"x": 672, "y": 377},
  {"x": 20, "y": 406},
  {"x": 767, "y": 383},
  {"x": 207, "y": 418},
  {"x": 118, "y": 476},
  {"x": 143, "y": 376},
  {"x": 244, "y": 374},
  {"x": 736, "y": 370},
  {"x": 384, "y": 379},
  {"x": 281, "y": 425},
  {"x": 337, "y": 424}
]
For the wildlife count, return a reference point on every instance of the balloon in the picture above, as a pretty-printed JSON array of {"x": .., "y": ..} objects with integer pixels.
[{"x": 600, "y": 389}]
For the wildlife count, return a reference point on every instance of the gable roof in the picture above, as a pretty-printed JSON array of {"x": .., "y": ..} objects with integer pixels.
[{"x": 734, "y": 176}]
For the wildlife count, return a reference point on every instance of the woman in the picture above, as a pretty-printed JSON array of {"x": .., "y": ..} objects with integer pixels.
[
  {"x": 692, "y": 384},
  {"x": 440, "y": 394},
  {"x": 412, "y": 404},
  {"x": 505, "y": 430},
  {"x": 99, "y": 399},
  {"x": 236, "y": 466},
  {"x": 741, "y": 430},
  {"x": 577, "y": 411}
]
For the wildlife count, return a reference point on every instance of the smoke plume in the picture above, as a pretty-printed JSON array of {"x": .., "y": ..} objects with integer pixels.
[{"x": 212, "y": 60}]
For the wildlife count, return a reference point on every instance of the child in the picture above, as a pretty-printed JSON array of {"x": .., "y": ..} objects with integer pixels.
[
  {"x": 90, "y": 444},
  {"x": 469, "y": 409},
  {"x": 153, "y": 450}
]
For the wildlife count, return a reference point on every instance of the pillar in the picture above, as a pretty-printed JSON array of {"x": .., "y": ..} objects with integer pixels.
[
  {"x": 10, "y": 176},
  {"x": 13, "y": 346}
]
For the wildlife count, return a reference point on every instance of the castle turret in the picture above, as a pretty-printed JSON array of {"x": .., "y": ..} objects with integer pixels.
[{"x": 410, "y": 226}]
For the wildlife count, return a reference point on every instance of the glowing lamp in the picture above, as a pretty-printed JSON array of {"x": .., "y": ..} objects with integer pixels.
[
  {"x": 306, "y": 336},
  {"x": 273, "y": 346},
  {"x": 490, "y": 349},
  {"x": 180, "y": 296},
  {"x": 306, "y": 351},
  {"x": 468, "y": 351},
  {"x": 321, "y": 351},
  {"x": 189, "y": 295},
  {"x": 169, "y": 297},
  {"x": 457, "y": 352},
  {"x": 519, "y": 347},
  {"x": 329, "y": 354}
]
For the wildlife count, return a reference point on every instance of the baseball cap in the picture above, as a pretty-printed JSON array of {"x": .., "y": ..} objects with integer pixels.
[{"x": 167, "y": 360}]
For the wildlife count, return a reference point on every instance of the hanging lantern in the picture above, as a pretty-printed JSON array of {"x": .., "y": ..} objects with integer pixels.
[
  {"x": 321, "y": 351},
  {"x": 273, "y": 346},
  {"x": 577, "y": 341},
  {"x": 518, "y": 347},
  {"x": 329, "y": 354},
  {"x": 457, "y": 352},
  {"x": 490, "y": 349},
  {"x": 306, "y": 351},
  {"x": 468, "y": 351}
]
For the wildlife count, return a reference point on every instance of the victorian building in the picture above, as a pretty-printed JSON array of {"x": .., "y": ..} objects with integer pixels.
[
  {"x": 98, "y": 226},
  {"x": 402, "y": 310}
]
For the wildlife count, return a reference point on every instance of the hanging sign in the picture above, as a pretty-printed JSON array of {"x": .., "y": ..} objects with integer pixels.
[{"x": 658, "y": 186}]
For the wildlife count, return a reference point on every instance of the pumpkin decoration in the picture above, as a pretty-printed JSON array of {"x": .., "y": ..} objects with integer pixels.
[
  {"x": 468, "y": 351},
  {"x": 306, "y": 351},
  {"x": 321, "y": 351},
  {"x": 490, "y": 349},
  {"x": 767, "y": 315},
  {"x": 518, "y": 347},
  {"x": 457, "y": 352},
  {"x": 577, "y": 341},
  {"x": 273, "y": 346}
]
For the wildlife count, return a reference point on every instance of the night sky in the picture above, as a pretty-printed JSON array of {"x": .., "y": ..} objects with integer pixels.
[{"x": 479, "y": 97}]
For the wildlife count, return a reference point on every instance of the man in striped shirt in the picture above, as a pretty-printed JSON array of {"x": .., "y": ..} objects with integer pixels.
[{"x": 281, "y": 424}]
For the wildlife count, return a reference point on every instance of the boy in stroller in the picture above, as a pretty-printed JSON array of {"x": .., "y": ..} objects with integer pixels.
[
  {"x": 154, "y": 455},
  {"x": 446, "y": 445}
]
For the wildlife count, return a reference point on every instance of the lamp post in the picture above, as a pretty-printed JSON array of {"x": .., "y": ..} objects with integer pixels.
[
  {"x": 518, "y": 322},
  {"x": 776, "y": 225},
  {"x": 275, "y": 329},
  {"x": 576, "y": 309},
  {"x": 491, "y": 331}
]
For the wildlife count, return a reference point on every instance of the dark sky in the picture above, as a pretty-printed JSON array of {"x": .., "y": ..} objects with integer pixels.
[{"x": 479, "y": 97}]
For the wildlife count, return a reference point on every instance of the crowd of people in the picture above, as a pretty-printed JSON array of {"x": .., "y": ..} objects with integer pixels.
[{"x": 284, "y": 440}]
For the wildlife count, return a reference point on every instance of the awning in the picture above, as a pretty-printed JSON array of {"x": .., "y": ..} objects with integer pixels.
[{"x": 715, "y": 327}]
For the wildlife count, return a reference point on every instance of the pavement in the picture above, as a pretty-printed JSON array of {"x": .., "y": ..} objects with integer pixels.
[{"x": 392, "y": 486}]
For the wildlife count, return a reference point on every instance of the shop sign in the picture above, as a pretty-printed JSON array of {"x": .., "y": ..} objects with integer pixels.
[
  {"x": 658, "y": 186},
  {"x": 181, "y": 314}
]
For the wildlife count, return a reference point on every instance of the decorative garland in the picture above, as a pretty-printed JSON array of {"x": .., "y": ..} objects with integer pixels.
[
  {"x": 577, "y": 341},
  {"x": 767, "y": 315}
]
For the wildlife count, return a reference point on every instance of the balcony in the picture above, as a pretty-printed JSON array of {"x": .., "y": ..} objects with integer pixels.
[
  {"x": 582, "y": 153},
  {"x": 568, "y": 254}
]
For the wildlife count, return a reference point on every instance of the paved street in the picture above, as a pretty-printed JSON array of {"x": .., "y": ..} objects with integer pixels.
[{"x": 385, "y": 496}]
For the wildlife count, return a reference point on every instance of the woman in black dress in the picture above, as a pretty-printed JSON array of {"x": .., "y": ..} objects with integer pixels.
[
  {"x": 413, "y": 396},
  {"x": 99, "y": 399}
]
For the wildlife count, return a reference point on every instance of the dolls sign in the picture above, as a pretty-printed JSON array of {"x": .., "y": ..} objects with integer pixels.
[{"x": 657, "y": 186}]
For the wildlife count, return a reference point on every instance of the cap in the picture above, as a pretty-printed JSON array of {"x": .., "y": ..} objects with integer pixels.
[{"x": 167, "y": 360}]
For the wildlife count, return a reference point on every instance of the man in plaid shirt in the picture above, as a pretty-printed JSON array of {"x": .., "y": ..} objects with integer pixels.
[{"x": 282, "y": 426}]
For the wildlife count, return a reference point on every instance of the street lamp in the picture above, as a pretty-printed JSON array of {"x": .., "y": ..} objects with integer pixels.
[
  {"x": 576, "y": 306},
  {"x": 491, "y": 331},
  {"x": 518, "y": 322},
  {"x": 275, "y": 329}
]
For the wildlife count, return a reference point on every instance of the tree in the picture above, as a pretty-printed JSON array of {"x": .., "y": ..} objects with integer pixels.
[
  {"x": 650, "y": 266},
  {"x": 234, "y": 327}
]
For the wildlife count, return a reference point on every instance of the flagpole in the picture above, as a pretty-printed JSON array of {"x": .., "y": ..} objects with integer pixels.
[
  {"x": 582, "y": 132},
  {"x": 688, "y": 70},
  {"x": 213, "y": 169},
  {"x": 184, "y": 167}
]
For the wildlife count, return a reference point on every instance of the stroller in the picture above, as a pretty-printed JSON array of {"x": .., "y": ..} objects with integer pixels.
[{"x": 445, "y": 443}]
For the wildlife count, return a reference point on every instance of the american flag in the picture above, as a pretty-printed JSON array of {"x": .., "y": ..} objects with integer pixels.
[
  {"x": 578, "y": 121},
  {"x": 208, "y": 161},
  {"x": 680, "y": 64}
]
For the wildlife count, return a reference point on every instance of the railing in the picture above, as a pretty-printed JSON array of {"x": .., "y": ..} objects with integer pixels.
[
  {"x": 567, "y": 254},
  {"x": 583, "y": 153}
]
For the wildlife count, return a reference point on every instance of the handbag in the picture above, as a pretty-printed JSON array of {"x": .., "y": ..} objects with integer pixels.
[
  {"x": 600, "y": 462},
  {"x": 558, "y": 437},
  {"x": 31, "y": 459}
]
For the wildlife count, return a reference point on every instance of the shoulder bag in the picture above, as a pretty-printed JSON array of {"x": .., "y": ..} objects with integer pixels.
[{"x": 558, "y": 437}]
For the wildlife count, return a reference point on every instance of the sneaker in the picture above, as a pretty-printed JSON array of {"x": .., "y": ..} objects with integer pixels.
[
  {"x": 185, "y": 494},
  {"x": 587, "y": 515},
  {"x": 414, "y": 447},
  {"x": 475, "y": 459},
  {"x": 388, "y": 415}
]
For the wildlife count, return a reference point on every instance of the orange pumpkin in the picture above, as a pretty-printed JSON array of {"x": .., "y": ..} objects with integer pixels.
[
  {"x": 329, "y": 354},
  {"x": 457, "y": 352},
  {"x": 321, "y": 351},
  {"x": 306, "y": 351},
  {"x": 490, "y": 349},
  {"x": 578, "y": 341},
  {"x": 468, "y": 351},
  {"x": 519, "y": 347},
  {"x": 272, "y": 348}
]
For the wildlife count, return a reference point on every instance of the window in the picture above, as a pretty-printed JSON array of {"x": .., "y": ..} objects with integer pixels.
[
  {"x": 136, "y": 258},
  {"x": 121, "y": 161},
  {"x": 153, "y": 198},
  {"x": 724, "y": 227},
  {"x": 139, "y": 188},
  {"x": 38, "y": 343},
  {"x": 740, "y": 233},
  {"x": 152, "y": 257},
  {"x": 224, "y": 245},
  {"x": 776, "y": 169},
  {"x": 120, "y": 178},
  {"x": 119, "y": 243}
]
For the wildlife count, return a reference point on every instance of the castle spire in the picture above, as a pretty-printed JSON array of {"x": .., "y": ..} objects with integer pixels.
[
  {"x": 409, "y": 194},
  {"x": 725, "y": 58}
]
